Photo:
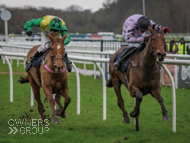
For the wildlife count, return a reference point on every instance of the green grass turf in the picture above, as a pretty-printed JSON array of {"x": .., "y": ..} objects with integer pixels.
[
  {"x": 89, "y": 126},
  {"x": 88, "y": 66}
]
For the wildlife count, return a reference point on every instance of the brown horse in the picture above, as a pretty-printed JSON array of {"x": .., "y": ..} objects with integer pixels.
[
  {"x": 53, "y": 77},
  {"x": 143, "y": 75}
]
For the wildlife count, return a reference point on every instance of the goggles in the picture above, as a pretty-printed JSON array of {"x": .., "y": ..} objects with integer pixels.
[{"x": 53, "y": 30}]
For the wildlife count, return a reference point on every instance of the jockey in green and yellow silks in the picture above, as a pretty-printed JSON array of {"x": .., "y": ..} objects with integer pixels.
[
  {"x": 56, "y": 26},
  {"x": 49, "y": 23}
]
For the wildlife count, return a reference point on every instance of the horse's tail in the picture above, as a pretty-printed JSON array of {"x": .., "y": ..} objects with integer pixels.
[{"x": 24, "y": 79}]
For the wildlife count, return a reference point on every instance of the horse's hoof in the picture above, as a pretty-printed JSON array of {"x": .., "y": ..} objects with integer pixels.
[
  {"x": 134, "y": 114},
  {"x": 137, "y": 130},
  {"x": 63, "y": 116},
  {"x": 55, "y": 121},
  {"x": 166, "y": 118},
  {"x": 126, "y": 120}
]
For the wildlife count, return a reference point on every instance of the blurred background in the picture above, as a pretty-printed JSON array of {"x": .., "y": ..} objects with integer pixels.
[{"x": 91, "y": 17}]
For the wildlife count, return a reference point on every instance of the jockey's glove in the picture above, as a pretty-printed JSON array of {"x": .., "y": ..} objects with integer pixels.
[
  {"x": 146, "y": 38},
  {"x": 166, "y": 29},
  {"x": 29, "y": 33}
]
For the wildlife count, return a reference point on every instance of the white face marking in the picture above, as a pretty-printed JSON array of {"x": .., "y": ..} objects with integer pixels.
[
  {"x": 58, "y": 47},
  {"x": 158, "y": 34}
]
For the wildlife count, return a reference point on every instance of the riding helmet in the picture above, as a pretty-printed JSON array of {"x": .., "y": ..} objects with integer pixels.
[
  {"x": 143, "y": 23},
  {"x": 55, "y": 24}
]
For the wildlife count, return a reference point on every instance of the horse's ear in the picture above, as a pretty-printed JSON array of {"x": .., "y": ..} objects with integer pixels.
[
  {"x": 64, "y": 37},
  {"x": 50, "y": 37},
  {"x": 150, "y": 29}
]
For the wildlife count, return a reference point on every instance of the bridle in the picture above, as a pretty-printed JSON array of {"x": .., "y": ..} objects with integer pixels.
[
  {"x": 56, "y": 56},
  {"x": 152, "y": 50},
  {"x": 52, "y": 56}
]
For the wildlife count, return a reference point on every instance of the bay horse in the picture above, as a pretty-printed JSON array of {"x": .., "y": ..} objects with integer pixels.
[
  {"x": 53, "y": 77},
  {"x": 143, "y": 75}
]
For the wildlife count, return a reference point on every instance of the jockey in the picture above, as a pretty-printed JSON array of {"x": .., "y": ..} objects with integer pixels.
[
  {"x": 56, "y": 26},
  {"x": 134, "y": 33}
]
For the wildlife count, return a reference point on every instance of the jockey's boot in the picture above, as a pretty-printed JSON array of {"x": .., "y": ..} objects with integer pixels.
[
  {"x": 29, "y": 63},
  {"x": 109, "y": 83},
  {"x": 123, "y": 57},
  {"x": 68, "y": 63}
]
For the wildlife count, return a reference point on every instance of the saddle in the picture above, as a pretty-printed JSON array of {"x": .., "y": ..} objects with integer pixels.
[
  {"x": 125, "y": 64},
  {"x": 36, "y": 63},
  {"x": 127, "y": 55}
]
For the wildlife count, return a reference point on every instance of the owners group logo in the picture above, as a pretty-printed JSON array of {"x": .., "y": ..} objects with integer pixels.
[{"x": 33, "y": 126}]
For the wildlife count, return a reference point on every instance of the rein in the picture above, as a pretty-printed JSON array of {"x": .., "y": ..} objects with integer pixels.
[
  {"x": 133, "y": 65},
  {"x": 152, "y": 51}
]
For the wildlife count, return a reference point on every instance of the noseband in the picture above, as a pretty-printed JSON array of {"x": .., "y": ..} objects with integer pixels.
[{"x": 152, "y": 50}]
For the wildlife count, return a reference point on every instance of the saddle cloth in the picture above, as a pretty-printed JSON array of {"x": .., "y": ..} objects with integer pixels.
[{"x": 37, "y": 62}]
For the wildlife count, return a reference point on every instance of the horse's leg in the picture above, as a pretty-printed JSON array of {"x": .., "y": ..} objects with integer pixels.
[
  {"x": 36, "y": 92},
  {"x": 135, "y": 92},
  {"x": 156, "y": 94},
  {"x": 58, "y": 99},
  {"x": 137, "y": 122},
  {"x": 48, "y": 93},
  {"x": 117, "y": 88},
  {"x": 65, "y": 94}
]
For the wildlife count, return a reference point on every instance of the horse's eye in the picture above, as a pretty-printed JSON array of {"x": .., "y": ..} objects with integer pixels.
[
  {"x": 52, "y": 49},
  {"x": 153, "y": 39}
]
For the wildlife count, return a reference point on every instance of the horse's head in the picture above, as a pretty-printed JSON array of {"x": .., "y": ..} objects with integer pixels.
[
  {"x": 57, "y": 53},
  {"x": 157, "y": 43}
]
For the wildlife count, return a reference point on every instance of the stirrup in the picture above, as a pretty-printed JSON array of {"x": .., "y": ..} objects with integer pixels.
[{"x": 109, "y": 83}]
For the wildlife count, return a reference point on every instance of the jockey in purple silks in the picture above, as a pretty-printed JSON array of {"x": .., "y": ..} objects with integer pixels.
[{"x": 134, "y": 33}]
